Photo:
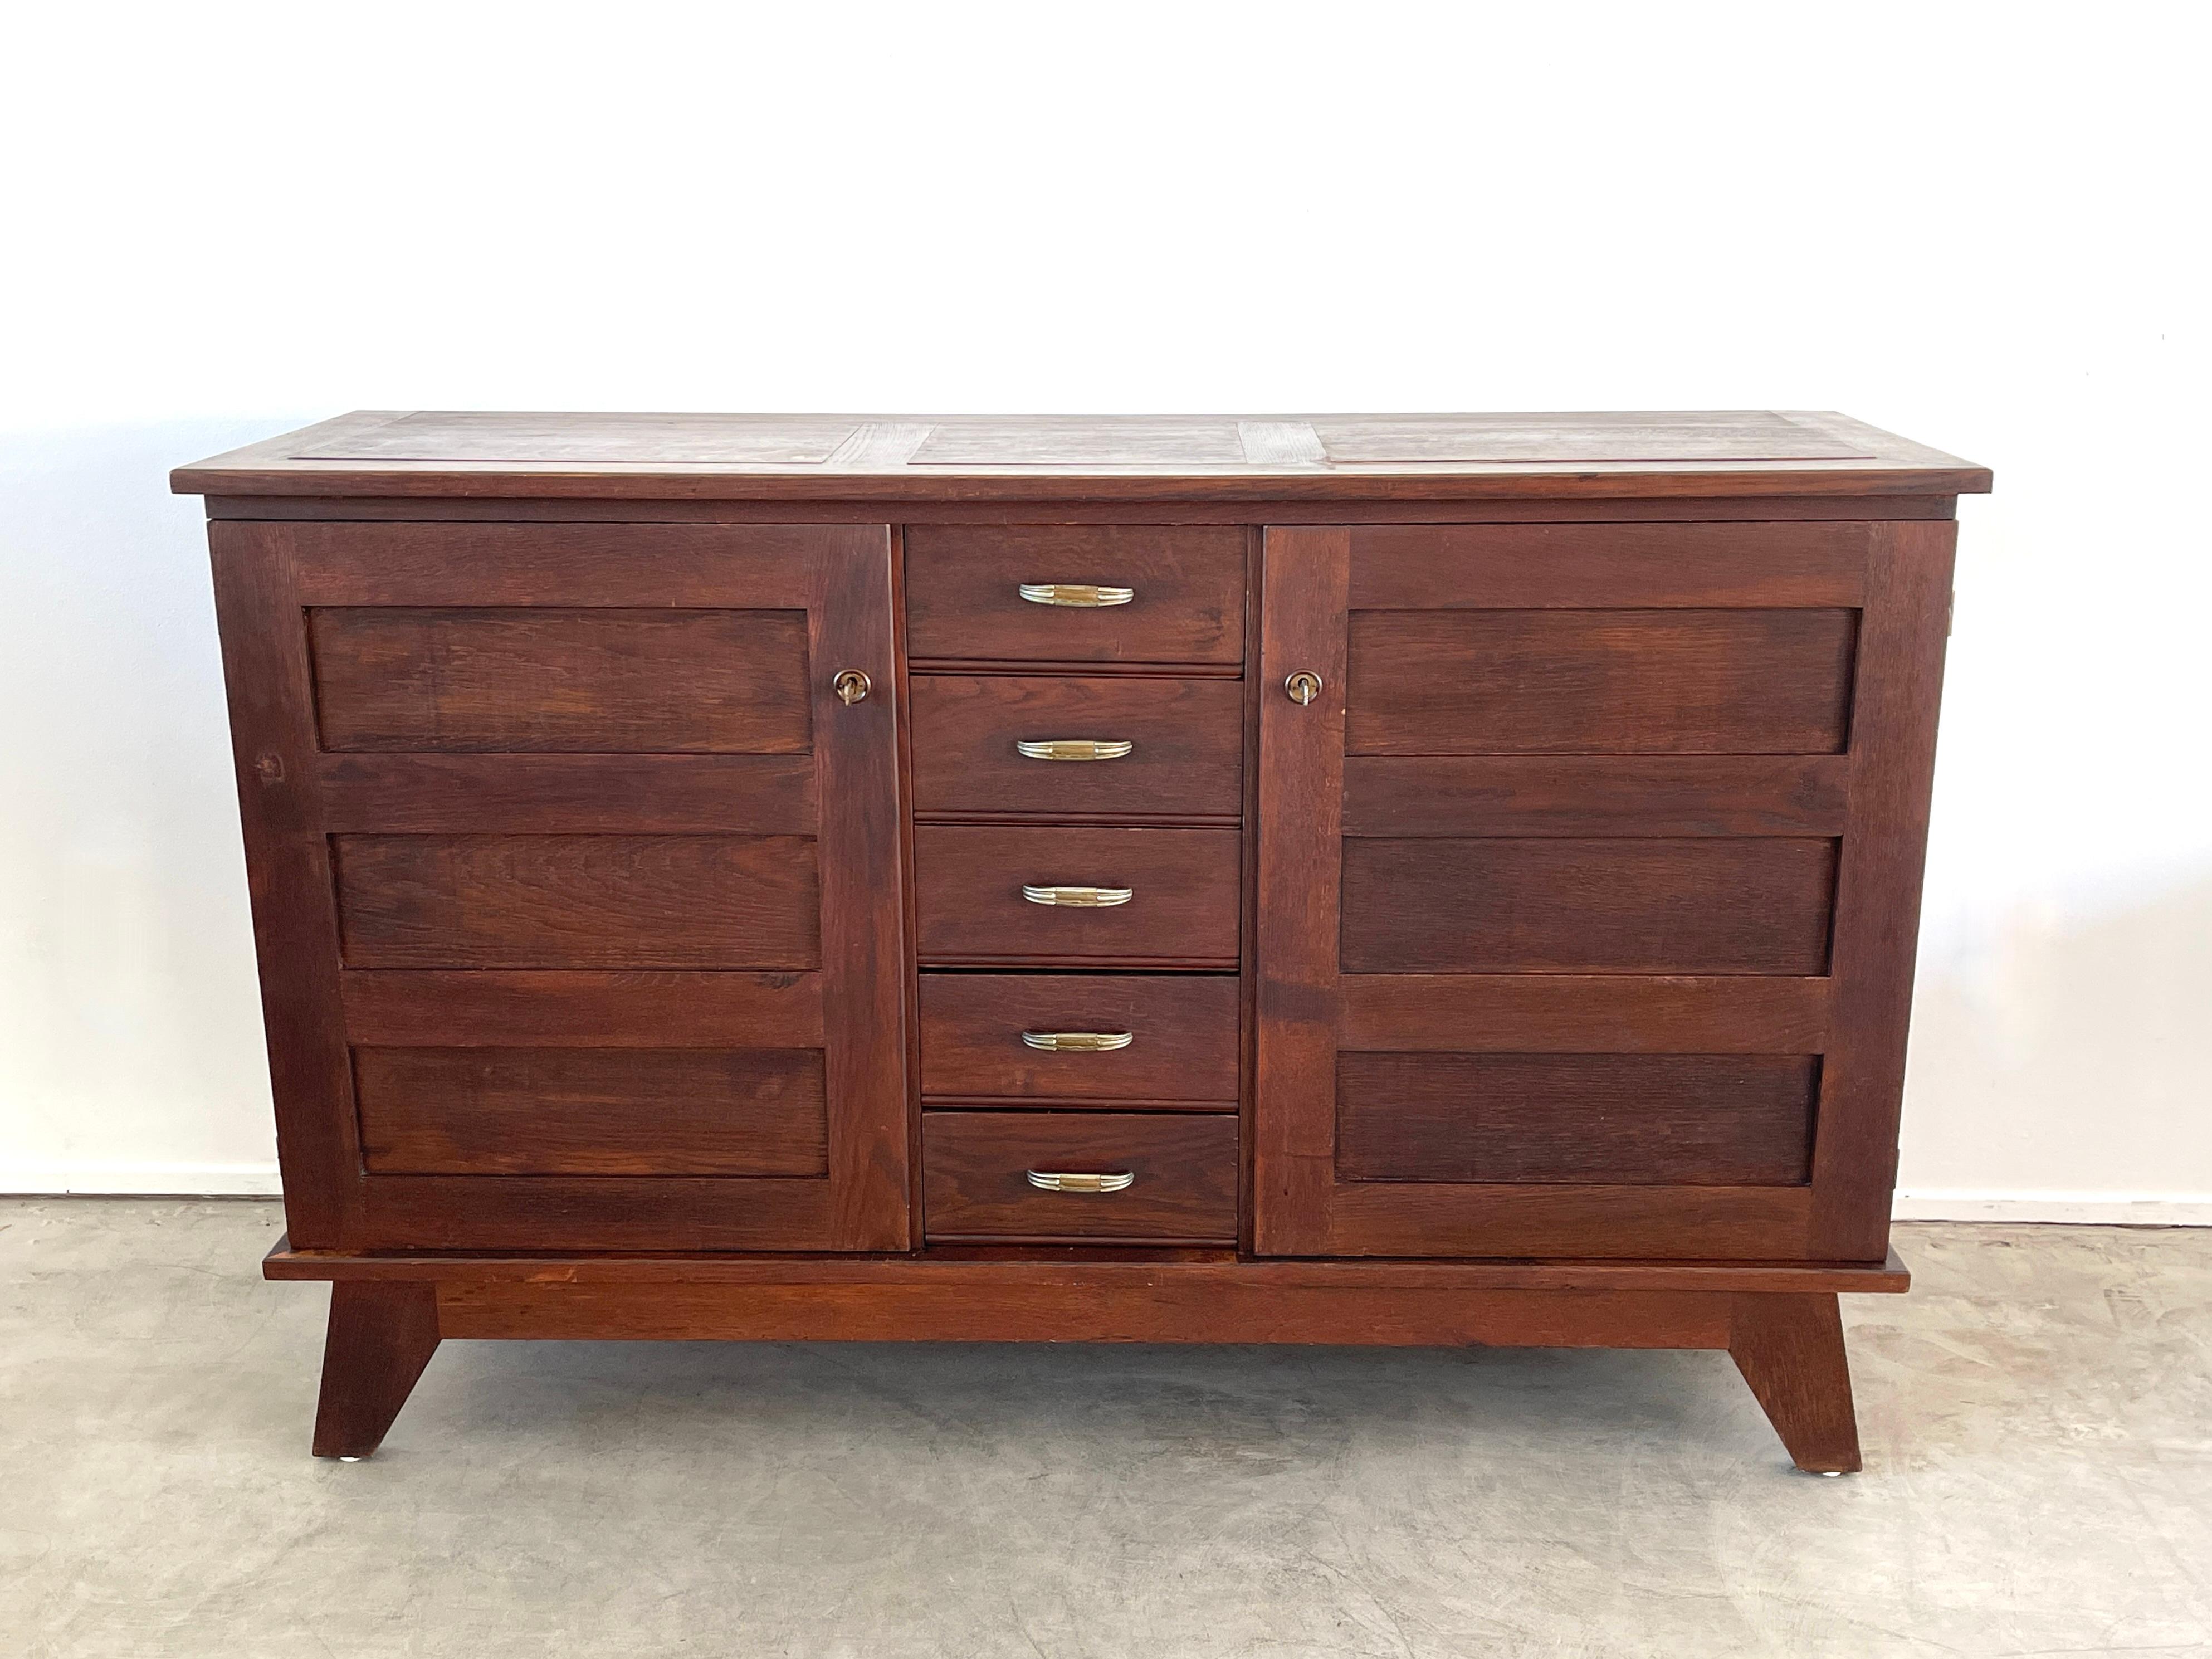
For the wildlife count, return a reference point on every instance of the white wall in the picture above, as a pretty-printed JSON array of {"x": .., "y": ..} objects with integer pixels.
[{"x": 1979, "y": 225}]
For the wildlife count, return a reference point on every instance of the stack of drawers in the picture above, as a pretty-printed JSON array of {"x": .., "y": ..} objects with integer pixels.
[{"x": 1078, "y": 767}]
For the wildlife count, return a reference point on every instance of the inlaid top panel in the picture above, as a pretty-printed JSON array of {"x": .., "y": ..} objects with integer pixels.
[{"x": 984, "y": 459}]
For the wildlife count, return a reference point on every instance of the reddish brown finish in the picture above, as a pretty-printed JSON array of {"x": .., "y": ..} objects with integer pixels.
[
  {"x": 726, "y": 682},
  {"x": 963, "y": 600},
  {"x": 576, "y": 794},
  {"x": 1182, "y": 1029},
  {"x": 592, "y": 1010},
  {"x": 1703, "y": 1119},
  {"x": 1571, "y": 1013},
  {"x": 1400, "y": 509},
  {"x": 1187, "y": 761},
  {"x": 1645, "y": 883},
  {"x": 989, "y": 1270},
  {"x": 968, "y": 882},
  {"x": 976, "y": 1182},
  {"x": 1298, "y": 903},
  {"x": 1167, "y": 1311},
  {"x": 539, "y": 900},
  {"x": 1588, "y": 795},
  {"x": 592, "y": 1111},
  {"x": 473, "y": 930},
  {"x": 1598, "y": 682},
  {"x": 1900, "y": 681},
  {"x": 1610, "y": 567},
  {"x": 1791, "y": 1349},
  {"x": 380, "y": 1339},
  {"x": 1534, "y": 903},
  {"x": 265, "y": 672},
  {"x": 1654, "y": 906}
]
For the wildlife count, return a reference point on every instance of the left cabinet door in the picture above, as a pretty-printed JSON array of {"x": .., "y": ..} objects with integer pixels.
[{"x": 577, "y": 883}]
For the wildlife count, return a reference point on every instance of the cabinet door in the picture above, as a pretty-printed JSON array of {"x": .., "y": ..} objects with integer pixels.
[
  {"x": 1588, "y": 883},
  {"x": 577, "y": 884}
]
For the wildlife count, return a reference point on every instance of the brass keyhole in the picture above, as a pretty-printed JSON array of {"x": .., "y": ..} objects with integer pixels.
[
  {"x": 851, "y": 686},
  {"x": 1302, "y": 688}
]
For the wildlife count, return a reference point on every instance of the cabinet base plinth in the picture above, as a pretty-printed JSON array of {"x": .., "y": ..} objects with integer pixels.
[{"x": 1780, "y": 1322}]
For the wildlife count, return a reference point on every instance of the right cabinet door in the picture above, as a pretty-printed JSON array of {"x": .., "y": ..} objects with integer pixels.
[{"x": 1588, "y": 883}]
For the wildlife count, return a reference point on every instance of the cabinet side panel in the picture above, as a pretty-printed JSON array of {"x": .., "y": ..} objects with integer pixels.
[
  {"x": 265, "y": 672},
  {"x": 1892, "y": 756}
]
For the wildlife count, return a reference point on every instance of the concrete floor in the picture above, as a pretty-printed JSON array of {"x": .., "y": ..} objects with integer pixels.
[{"x": 2038, "y": 1420}]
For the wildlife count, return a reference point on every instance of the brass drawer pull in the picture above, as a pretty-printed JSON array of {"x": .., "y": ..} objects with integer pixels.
[
  {"x": 1078, "y": 1043},
  {"x": 1081, "y": 898},
  {"x": 1055, "y": 1181},
  {"x": 851, "y": 686},
  {"x": 1074, "y": 749},
  {"x": 1084, "y": 596},
  {"x": 1302, "y": 687}
]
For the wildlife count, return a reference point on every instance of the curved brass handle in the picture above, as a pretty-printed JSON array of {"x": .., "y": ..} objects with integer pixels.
[
  {"x": 1060, "y": 1180},
  {"x": 1078, "y": 1043},
  {"x": 1302, "y": 687},
  {"x": 851, "y": 685},
  {"x": 1074, "y": 749},
  {"x": 1079, "y": 898},
  {"x": 1083, "y": 596}
]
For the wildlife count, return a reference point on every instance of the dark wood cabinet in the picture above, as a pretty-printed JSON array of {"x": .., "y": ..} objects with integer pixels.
[{"x": 1383, "y": 879}]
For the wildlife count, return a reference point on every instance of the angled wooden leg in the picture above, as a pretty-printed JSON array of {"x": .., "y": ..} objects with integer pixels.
[
  {"x": 380, "y": 1338},
  {"x": 1791, "y": 1349}
]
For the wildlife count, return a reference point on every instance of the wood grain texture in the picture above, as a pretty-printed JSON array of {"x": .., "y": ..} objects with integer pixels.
[
  {"x": 1765, "y": 565},
  {"x": 867, "y": 961},
  {"x": 1893, "y": 758},
  {"x": 963, "y": 599},
  {"x": 487, "y": 1008},
  {"x": 988, "y": 1270},
  {"x": 268, "y": 681},
  {"x": 976, "y": 1184},
  {"x": 1181, "y": 507},
  {"x": 1748, "y": 435},
  {"x": 574, "y": 794},
  {"x": 1298, "y": 902},
  {"x": 1167, "y": 1311},
  {"x": 1791, "y": 1349},
  {"x": 1593, "y": 795},
  {"x": 969, "y": 883},
  {"x": 523, "y": 679},
  {"x": 755, "y": 567},
  {"x": 611, "y": 1212},
  {"x": 1635, "y": 1118},
  {"x": 1569, "y": 1013},
  {"x": 489, "y": 901},
  {"x": 980, "y": 460},
  {"x": 1657, "y": 906},
  {"x": 380, "y": 1337},
  {"x": 1183, "y": 1032},
  {"x": 592, "y": 1111},
  {"x": 1188, "y": 758},
  {"x": 1598, "y": 682},
  {"x": 1590, "y": 1222}
]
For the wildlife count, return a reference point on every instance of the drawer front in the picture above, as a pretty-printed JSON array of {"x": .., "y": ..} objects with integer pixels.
[
  {"x": 1180, "y": 1172},
  {"x": 964, "y": 593},
  {"x": 1185, "y": 738},
  {"x": 1182, "y": 909},
  {"x": 1044, "y": 1036}
]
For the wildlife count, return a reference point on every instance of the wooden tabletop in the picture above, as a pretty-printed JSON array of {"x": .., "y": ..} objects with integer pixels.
[{"x": 992, "y": 458}]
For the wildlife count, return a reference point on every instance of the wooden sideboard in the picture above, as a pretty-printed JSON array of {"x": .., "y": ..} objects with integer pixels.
[{"x": 1417, "y": 879}]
